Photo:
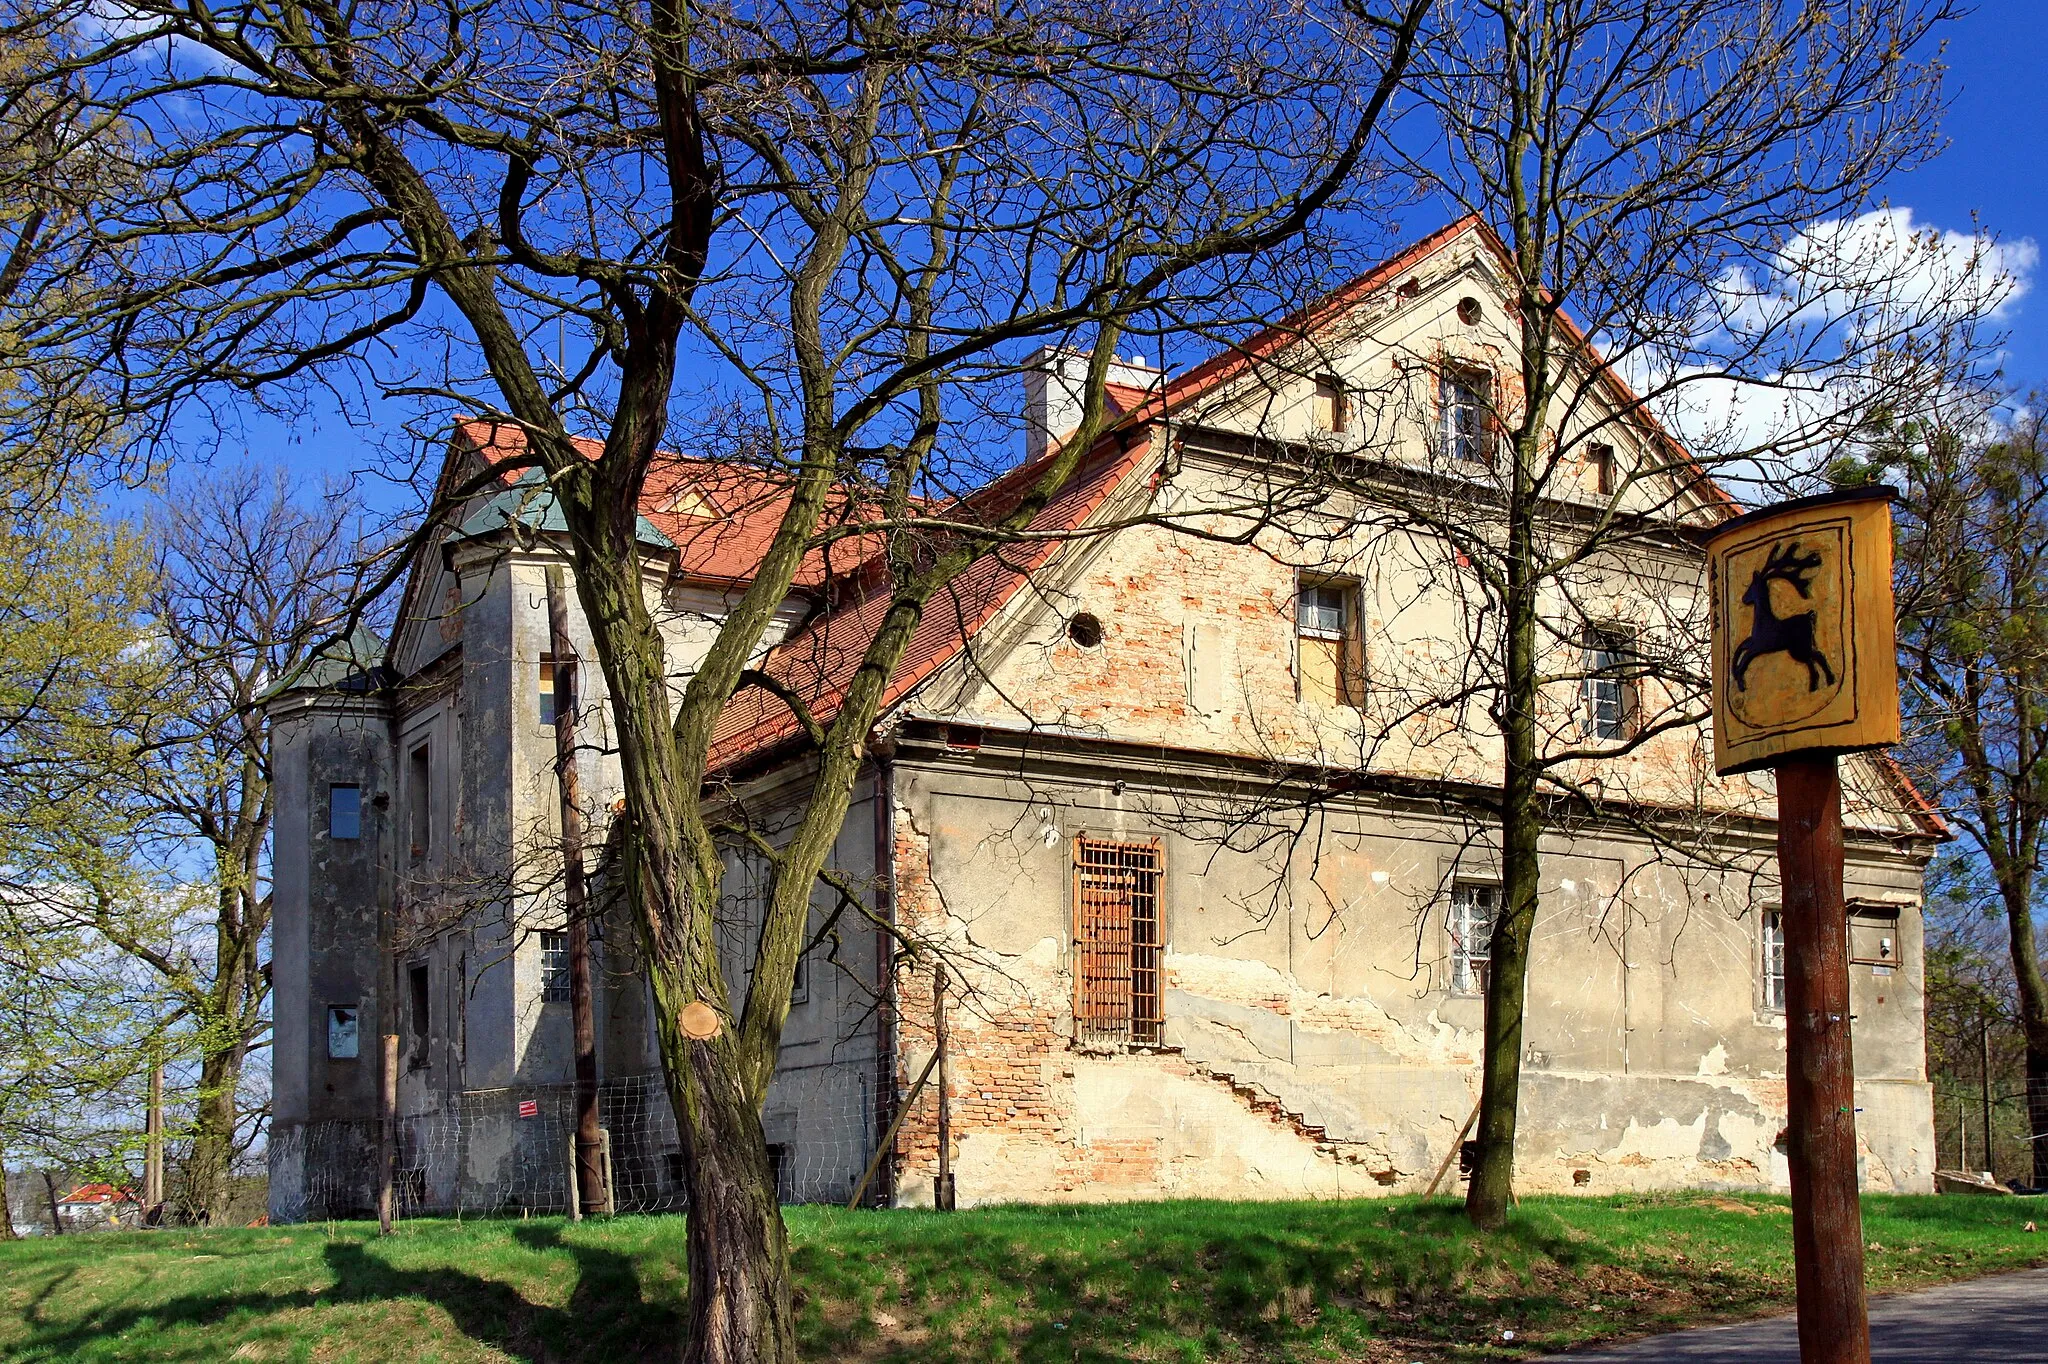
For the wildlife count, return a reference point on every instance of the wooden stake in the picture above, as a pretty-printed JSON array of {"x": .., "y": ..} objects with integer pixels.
[
  {"x": 1827, "y": 1218},
  {"x": 1452, "y": 1154},
  {"x": 387, "y": 1134},
  {"x": 942, "y": 1189},
  {"x": 889, "y": 1137},
  {"x": 153, "y": 1139},
  {"x": 591, "y": 1191}
]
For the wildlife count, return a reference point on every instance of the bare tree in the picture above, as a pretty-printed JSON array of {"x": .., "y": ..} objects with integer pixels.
[
  {"x": 1672, "y": 188},
  {"x": 812, "y": 237},
  {"x": 1973, "y": 570}
]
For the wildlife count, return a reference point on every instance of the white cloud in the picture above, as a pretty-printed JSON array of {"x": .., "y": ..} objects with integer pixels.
[{"x": 1786, "y": 354}]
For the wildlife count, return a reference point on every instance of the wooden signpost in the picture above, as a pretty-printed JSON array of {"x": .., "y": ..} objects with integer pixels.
[{"x": 1804, "y": 670}]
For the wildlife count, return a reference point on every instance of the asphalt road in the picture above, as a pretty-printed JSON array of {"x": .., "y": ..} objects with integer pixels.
[{"x": 2003, "y": 1318}]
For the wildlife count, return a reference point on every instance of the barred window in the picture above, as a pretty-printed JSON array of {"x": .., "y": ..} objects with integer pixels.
[
  {"x": 1774, "y": 960},
  {"x": 554, "y": 968},
  {"x": 1473, "y": 911},
  {"x": 1116, "y": 942}
]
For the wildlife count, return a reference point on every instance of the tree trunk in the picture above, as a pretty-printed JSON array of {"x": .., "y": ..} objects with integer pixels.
[
  {"x": 741, "y": 1309},
  {"x": 1487, "y": 1198},
  {"x": 205, "y": 1195},
  {"x": 7, "y": 1232},
  {"x": 2016, "y": 884}
]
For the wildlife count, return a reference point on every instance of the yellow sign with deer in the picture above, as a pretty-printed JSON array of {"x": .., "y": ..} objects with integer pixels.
[{"x": 1802, "y": 630}]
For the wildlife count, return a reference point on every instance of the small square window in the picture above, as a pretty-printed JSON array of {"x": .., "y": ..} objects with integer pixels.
[
  {"x": 554, "y": 968},
  {"x": 345, "y": 811},
  {"x": 1473, "y": 912}
]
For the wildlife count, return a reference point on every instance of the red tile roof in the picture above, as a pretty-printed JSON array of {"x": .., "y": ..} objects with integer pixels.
[
  {"x": 819, "y": 660},
  {"x": 721, "y": 514},
  {"x": 96, "y": 1194}
]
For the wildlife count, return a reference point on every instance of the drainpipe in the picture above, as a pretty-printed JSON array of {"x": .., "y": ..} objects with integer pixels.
[{"x": 885, "y": 954}]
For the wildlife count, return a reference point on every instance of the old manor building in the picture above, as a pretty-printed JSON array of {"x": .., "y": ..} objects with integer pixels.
[{"x": 1195, "y": 818}]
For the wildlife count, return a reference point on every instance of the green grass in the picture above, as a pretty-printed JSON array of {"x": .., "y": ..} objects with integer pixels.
[{"x": 1379, "y": 1280}]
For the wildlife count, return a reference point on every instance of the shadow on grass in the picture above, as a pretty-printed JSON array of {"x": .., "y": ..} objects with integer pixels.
[
  {"x": 1160, "y": 1281},
  {"x": 606, "y": 1318}
]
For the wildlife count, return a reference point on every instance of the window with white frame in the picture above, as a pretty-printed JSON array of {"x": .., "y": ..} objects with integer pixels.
[
  {"x": 1462, "y": 403},
  {"x": 1473, "y": 911},
  {"x": 554, "y": 968},
  {"x": 1327, "y": 644},
  {"x": 1604, "y": 691},
  {"x": 1774, "y": 959}
]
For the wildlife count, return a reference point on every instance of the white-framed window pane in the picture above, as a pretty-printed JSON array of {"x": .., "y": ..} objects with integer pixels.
[
  {"x": 1603, "y": 691},
  {"x": 1473, "y": 911},
  {"x": 1464, "y": 417},
  {"x": 554, "y": 968},
  {"x": 1321, "y": 611},
  {"x": 1774, "y": 960}
]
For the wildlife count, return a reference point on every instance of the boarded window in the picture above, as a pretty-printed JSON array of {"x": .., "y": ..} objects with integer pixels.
[
  {"x": 1774, "y": 960},
  {"x": 345, "y": 811},
  {"x": 1463, "y": 404},
  {"x": 1116, "y": 942},
  {"x": 1600, "y": 465},
  {"x": 1332, "y": 410},
  {"x": 554, "y": 968},
  {"x": 1473, "y": 911},
  {"x": 1328, "y": 645}
]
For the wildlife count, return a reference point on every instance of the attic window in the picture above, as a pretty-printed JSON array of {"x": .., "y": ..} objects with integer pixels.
[
  {"x": 1600, "y": 465},
  {"x": 1469, "y": 311},
  {"x": 1408, "y": 288},
  {"x": 963, "y": 736},
  {"x": 692, "y": 502},
  {"x": 1085, "y": 630},
  {"x": 1332, "y": 412}
]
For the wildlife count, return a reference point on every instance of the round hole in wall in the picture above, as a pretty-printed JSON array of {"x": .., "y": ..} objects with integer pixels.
[
  {"x": 1085, "y": 630},
  {"x": 1469, "y": 311}
]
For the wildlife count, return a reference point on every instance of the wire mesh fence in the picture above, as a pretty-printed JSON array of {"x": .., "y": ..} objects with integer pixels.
[{"x": 507, "y": 1152}]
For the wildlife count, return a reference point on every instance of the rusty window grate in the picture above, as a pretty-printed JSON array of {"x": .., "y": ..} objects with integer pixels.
[{"x": 1116, "y": 942}]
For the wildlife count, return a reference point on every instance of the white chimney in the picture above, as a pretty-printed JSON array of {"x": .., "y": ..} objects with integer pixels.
[{"x": 1053, "y": 385}]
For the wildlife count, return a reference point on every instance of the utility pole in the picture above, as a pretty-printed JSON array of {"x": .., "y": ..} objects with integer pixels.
[
  {"x": 942, "y": 1188},
  {"x": 590, "y": 1173},
  {"x": 387, "y": 1134},
  {"x": 1984, "y": 1052}
]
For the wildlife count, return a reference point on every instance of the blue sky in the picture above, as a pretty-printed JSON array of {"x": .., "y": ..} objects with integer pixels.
[
  {"x": 1997, "y": 127},
  {"x": 1988, "y": 178}
]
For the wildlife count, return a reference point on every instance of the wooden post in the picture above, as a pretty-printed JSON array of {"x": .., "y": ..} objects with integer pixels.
[
  {"x": 387, "y": 1134},
  {"x": 942, "y": 1188},
  {"x": 1827, "y": 1218},
  {"x": 153, "y": 1137},
  {"x": 1984, "y": 1043},
  {"x": 592, "y": 1185}
]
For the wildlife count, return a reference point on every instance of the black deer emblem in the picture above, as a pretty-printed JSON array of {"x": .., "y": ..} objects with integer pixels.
[{"x": 1770, "y": 633}]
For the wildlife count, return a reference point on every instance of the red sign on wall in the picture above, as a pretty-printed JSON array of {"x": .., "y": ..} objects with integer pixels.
[{"x": 529, "y": 1108}]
